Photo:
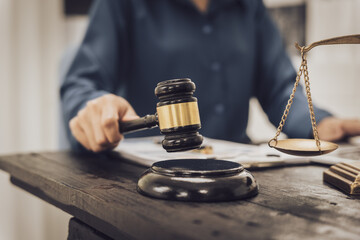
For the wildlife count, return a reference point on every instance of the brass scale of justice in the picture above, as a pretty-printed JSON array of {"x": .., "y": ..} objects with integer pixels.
[{"x": 307, "y": 147}]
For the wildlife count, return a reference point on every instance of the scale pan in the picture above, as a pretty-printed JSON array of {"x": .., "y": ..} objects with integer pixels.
[{"x": 303, "y": 147}]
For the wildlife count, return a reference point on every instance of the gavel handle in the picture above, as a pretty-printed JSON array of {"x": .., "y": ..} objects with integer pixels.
[{"x": 149, "y": 121}]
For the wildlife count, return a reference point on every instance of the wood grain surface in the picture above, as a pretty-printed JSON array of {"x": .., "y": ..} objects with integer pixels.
[{"x": 100, "y": 190}]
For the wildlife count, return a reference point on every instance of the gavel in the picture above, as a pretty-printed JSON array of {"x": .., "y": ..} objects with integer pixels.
[{"x": 177, "y": 115}]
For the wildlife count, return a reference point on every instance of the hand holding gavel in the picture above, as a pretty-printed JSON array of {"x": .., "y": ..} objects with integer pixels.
[
  {"x": 96, "y": 126},
  {"x": 100, "y": 125}
]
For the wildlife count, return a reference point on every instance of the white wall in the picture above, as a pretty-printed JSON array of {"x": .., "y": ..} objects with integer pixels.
[
  {"x": 31, "y": 42},
  {"x": 334, "y": 70}
]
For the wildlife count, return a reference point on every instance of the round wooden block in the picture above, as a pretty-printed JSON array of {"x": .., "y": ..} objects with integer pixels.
[{"x": 198, "y": 180}]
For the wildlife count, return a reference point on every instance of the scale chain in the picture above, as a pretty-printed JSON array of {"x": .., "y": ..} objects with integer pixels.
[
  {"x": 288, "y": 106},
  {"x": 311, "y": 107},
  {"x": 303, "y": 69}
]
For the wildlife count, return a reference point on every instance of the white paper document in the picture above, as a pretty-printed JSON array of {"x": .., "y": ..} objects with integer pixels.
[{"x": 146, "y": 151}]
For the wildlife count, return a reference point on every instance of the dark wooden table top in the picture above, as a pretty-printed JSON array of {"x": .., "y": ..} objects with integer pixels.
[{"x": 293, "y": 202}]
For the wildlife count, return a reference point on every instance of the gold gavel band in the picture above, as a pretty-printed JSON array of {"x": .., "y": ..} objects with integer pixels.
[{"x": 178, "y": 115}]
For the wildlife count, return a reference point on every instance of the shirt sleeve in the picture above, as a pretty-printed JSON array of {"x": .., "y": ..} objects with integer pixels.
[
  {"x": 94, "y": 70},
  {"x": 275, "y": 80}
]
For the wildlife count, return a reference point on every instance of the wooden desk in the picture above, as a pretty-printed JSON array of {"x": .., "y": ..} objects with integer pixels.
[{"x": 100, "y": 192}]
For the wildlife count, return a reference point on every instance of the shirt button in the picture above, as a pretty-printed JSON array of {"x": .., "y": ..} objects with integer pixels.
[
  {"x": 215, "y": 66},
  {"x": 219, "y": 108},
  {"x": 207, "y": 29}
]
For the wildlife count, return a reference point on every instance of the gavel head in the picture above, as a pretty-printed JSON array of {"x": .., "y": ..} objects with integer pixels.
[{"x": 178, "y": 115}]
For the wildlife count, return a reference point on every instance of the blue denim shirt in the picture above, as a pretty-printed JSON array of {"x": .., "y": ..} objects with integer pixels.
[{"x": 232, "y": 52}]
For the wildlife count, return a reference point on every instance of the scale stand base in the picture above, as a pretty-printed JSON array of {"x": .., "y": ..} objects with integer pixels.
[{"x": 197, "y": 180}]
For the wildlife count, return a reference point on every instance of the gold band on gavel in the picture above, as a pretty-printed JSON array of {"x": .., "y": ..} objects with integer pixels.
[{"x": 178, "y": 115}]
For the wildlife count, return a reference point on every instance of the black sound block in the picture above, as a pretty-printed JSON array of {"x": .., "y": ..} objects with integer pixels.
[{"x": 197, "y": 180}]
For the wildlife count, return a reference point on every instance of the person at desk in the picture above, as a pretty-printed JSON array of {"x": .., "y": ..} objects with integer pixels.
[{"x": 231, "y": 49}]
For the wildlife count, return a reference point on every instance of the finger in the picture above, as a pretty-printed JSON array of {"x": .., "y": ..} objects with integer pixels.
[
  {"x": 79, "y": 133},
  {"x": 113, "y": 145},
  {"x": 110, "y": 124},
  {"x": 351, "y": 126},
  {"x": 129, "y": 117},
  {"x": 95, "y": 118},
  {"x": 336, "y": 134},
  {"x": 126, "y": 111},
  {"x": 330, "y": 129},
  {"x": 85, "y": 124}
]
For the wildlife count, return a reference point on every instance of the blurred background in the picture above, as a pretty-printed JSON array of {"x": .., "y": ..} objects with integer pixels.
[{"x": 34, "y": 34}]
